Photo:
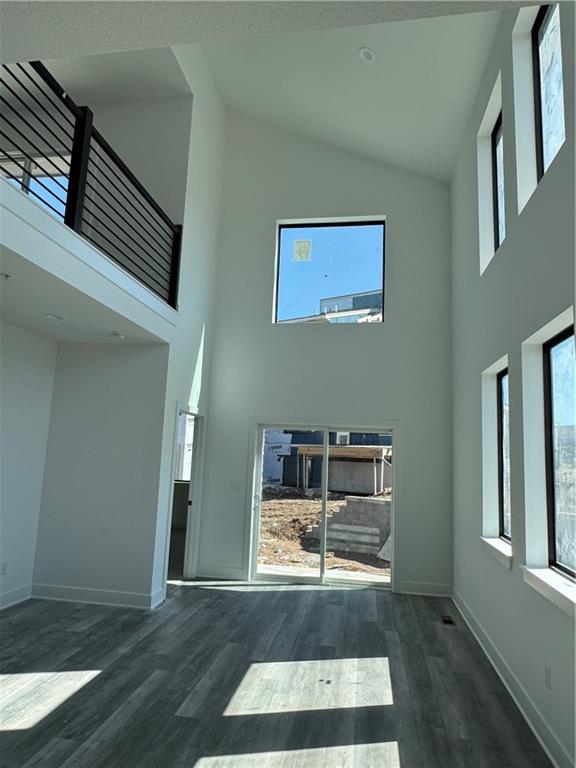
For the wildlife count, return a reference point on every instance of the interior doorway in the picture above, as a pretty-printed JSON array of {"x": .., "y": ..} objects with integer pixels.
[
  {"x": 323, "y": 505},
  {"x": 183, "y": 462}
]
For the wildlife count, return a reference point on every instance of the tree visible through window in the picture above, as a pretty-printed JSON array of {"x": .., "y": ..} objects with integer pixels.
[
  {"x": 548, "y": 85},
  {"x": 330, "y": 272},
  {"x": 560, "y": 412}
]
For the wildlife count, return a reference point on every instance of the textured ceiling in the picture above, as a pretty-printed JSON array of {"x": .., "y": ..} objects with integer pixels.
[{"x": 50, "y": 30}]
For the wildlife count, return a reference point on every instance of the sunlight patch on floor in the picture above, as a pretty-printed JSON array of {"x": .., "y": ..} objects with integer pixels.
[
  {"x": 247, "y": 586},
  {"x": 380, "y": 755},
  {"x": 299, "y": 686},
  {"x": 27, "y": 698}
]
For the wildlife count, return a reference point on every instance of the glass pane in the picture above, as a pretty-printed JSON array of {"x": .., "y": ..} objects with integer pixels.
[
  {"x": 330, "y": 273},
  {"x": 47, "y": 191},
  {"x": 563, "y": 396},
  {"x": 291, "y": 503},
  {"x": 500, "y": 188},
  {"x": 358, "y": 544},
  {"x": 551, "y": 88},
  {"x": 505, "y": 448},
  {"x": 184, "y": 447}
]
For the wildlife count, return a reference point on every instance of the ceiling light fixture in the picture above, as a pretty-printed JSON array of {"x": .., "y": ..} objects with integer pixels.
[
  {"x": 52, "y": 316},
  {"x": 119, "y": 335},
  {"x": 367, "y": 55}
]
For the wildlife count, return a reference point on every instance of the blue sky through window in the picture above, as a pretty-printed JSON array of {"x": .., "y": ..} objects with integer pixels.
[
  {"x": 44, "y": 197},
  {"x": 321, "y": 262}
]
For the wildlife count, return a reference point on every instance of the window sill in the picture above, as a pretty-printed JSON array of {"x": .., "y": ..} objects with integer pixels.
[
  {"x": 557, "y": 588},
  {"x": 499, "y": 549}
]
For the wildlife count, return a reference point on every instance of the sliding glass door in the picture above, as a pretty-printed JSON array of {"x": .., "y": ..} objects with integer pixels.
[{"x": 323, "y": 504}]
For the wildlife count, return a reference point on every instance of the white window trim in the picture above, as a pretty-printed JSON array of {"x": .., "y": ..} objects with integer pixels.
[
  {"x": 554, "y": 586},
  {"x": 490, "y": 510},
  {"x": 550, "y": 583},
  {"x": 500, "y": 550},
  {"x": 526, "y": 174},
  {"x": 485, "y": 190}
]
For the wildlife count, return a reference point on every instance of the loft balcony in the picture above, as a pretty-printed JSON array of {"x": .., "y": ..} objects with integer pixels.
[{"x": 51, "y": 151}]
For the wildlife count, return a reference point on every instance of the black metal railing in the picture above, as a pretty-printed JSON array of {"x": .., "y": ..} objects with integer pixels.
[{"x": 50, "y": 149}]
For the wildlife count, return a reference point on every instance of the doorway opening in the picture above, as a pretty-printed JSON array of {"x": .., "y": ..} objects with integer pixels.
[
  {"x": 323, "y": 505},
  {"x": 183, "y": 456}
]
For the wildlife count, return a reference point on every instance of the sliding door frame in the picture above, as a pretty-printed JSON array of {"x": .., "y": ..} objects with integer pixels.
[{"x": 255, "y": 492}]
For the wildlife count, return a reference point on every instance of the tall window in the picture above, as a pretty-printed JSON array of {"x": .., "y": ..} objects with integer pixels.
[
  {"x": 498, "y": 183},
  {"x": 330, "y": 272},
  {"x": 560, "y": 422},
  {"x": 548, "y": 86},
  {"x": 504, "y": 509}
]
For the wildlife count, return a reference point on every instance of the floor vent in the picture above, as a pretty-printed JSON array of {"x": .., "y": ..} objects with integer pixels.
[{"x": 447, "y": 619}]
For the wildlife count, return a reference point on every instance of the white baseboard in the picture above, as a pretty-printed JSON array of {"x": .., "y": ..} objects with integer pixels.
[
  {"x": 98, "y": 596},
  {"x": 157, "y": 597},
  {"x": 428, "y": 588},
  {"x": 15, "y": 596},
  {"x": 541, "y": 728}
]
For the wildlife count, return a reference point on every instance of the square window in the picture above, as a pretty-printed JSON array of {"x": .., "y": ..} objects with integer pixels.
[
  {"x": 560, "y": 439},
  {"x": 548, "y": 86},
  {"x": 330, "y": 271}
]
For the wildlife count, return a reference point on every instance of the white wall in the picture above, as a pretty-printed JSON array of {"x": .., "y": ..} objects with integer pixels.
[
  {"x": 27, "y": 366},
  {"x": 153, "y": 139},
  {"x": 98, "y": 515},
  {"x": 529, "y": 281},
  {"x": 179, "y": 157},
  {"x": 189, "y": 363},
  {"x": 395, "y": 374}
]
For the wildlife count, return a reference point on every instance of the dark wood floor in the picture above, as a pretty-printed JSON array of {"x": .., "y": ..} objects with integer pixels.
[{"x": 254, "y": 676}]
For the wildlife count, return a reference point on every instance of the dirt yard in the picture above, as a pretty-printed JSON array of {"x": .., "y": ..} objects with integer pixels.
[{"x": 285, "y": 516}]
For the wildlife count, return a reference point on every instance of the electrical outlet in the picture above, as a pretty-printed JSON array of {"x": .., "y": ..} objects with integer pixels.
[
  {"x": 3, "y": 568},
  {"x": 235, "y": 485},
  {"x": 548, "y": 677}
]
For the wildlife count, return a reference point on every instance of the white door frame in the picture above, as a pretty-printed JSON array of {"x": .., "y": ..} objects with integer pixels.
[
  {"x": 192, "y": 518},
  {"x": 255, "y": 499}
]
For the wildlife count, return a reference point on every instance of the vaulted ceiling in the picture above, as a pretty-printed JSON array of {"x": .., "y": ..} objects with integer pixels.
[{"x": 408, "y": 107}]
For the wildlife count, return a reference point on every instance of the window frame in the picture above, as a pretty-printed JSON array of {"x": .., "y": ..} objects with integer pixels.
[
  {"x": 538, "y": 29},
  {"x": 549, "y": 449},
  {"x": 500, "y": 432},
  {"x": 495, "y": 136},
  {"x": 323, "y": 223}
]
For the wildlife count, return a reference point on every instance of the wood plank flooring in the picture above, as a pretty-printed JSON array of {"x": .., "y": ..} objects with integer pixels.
[{"x": 254, "y": 676}]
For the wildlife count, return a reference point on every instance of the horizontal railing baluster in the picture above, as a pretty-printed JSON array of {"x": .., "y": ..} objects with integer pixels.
[{"x": 104, "y": 201}]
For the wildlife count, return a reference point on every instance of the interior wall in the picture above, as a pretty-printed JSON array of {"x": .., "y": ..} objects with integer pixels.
[
  {"x": 391, "y": 374},
  {"x": 27, "y": 364},
  {"x": 529, "y": 282},
  {"x": 153, "y": 139},
  {"x": 98, "y": 515},
  {"x": 190, "y": 349},
  {"x": 178, "y": 156}
]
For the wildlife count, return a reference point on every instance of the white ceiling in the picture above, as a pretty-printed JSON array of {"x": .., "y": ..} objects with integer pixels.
[
  {"x": 33, "y": 292},
  {"x": 49, "y": 30},
  {"x": 408, "y": 108}
]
